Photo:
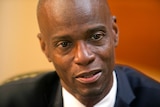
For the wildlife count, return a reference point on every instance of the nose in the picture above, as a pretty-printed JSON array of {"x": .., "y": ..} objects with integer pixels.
[{"x": 83, "y": 55}]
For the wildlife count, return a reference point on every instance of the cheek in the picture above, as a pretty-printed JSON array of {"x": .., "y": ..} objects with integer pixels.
[
  {"x": 105, "y": 52},
  {"x": 105, "y": 55},
  {"x": 59, "y": 64},
  {"x": 62, "y": 66},
  {"x": 64, "y": 71},
  {"x": 108, "y": 56}
]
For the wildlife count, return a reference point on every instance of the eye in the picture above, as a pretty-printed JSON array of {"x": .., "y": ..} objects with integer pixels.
[
  {"x": 97, "y": 36},
  {"x": 64, "y": 44}
]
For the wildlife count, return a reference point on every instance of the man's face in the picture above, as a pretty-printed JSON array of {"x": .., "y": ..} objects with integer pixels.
[{"x": 80, "y": 38}]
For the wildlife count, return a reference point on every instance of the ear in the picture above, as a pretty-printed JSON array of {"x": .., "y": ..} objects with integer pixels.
[
  {"x": 115, "y": 30},
  {"x": 43, "y": 45}
]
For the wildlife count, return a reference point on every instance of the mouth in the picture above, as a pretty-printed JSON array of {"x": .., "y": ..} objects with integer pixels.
[{"x": 89, "y": 77}]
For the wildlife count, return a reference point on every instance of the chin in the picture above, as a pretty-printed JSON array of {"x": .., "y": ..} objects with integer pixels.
[{"x": 91, "y": 92}]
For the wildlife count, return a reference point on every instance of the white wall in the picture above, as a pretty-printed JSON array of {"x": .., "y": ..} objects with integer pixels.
[{"x": 19, "y": 47}]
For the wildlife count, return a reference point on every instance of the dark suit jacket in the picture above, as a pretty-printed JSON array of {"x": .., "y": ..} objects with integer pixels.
[{"x": 134, "y": 90}]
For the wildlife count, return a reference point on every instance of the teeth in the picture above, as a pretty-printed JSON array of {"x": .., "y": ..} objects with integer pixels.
[{"x": 88, "y": 76}]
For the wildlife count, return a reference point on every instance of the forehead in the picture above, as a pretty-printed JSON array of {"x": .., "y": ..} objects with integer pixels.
[{"x": 66, "y": 13}]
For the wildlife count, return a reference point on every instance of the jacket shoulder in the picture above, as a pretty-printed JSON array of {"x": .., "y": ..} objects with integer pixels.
[
  {"x": 137, "y": 78},
  {"x": 145, "y": 89},
  {"x": 27, "y": 90}
]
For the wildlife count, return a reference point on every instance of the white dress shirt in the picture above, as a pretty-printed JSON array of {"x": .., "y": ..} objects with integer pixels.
[{"x": 108, "y": 101}]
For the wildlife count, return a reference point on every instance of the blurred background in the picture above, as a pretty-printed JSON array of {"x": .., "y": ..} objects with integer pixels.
[{"x": 139, "y": 45}]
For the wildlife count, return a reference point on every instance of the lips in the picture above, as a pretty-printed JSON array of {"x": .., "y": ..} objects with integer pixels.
[{"x": 89, "y": 77}]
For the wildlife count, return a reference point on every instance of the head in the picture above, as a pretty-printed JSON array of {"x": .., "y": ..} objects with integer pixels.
[{"x": 79, "y": 37}]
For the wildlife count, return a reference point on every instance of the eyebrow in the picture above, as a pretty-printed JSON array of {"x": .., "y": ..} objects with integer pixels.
[
  {"x": 88, "y": 31},
  {"x": 96, "y": 28},
  {"x": 58, "y": 38}
]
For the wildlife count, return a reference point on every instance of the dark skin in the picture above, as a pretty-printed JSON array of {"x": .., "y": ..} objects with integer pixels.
[{"x": 79, "y": 37}]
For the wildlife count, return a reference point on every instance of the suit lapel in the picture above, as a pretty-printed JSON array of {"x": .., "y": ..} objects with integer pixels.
[
  {"x": 53, "y": 91},
  {"x": 124, "y": 92},
  {"x": 58, "y": 102}
]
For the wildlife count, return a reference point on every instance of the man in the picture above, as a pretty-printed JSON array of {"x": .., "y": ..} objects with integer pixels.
[{"x": 79, "y": 37}]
